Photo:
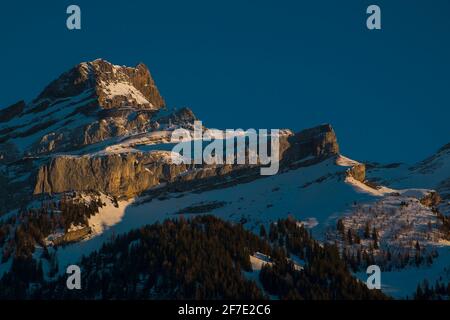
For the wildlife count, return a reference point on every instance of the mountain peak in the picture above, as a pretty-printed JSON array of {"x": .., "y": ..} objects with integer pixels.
[
  {"x": 91, "y": 102},
  {"x": 114, "y": 86}
]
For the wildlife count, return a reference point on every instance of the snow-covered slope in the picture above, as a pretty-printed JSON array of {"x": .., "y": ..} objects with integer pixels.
[
  {"x": 431, "y": 173},
  {"x": 321, "y": 193}
]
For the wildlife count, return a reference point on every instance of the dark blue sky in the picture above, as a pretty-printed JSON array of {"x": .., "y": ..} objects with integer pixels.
[{"x": 261, "y": 64}]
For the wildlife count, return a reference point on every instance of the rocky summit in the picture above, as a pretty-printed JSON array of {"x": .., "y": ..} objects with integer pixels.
[
  {"x": 114, "y": 86},
  {"x": 92, "y": 102}
]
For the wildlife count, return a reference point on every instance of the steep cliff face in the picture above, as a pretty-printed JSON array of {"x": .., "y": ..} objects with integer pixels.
[
  {"x": 318, "y": 143},
  {"x": 116, "y": 174},
  {"x": 128, "y": 174}
]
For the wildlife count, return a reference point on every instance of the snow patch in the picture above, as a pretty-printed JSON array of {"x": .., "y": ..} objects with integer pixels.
[
  {"x": 345, "y": 162},
  {"x": 123, "y": 89},
  {"x": 364, "y": 188},
  {"x": 108, "y": 215}
]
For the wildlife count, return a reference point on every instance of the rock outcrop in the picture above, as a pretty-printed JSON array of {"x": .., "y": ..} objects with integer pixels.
[
  {"x": 358, "y": 172},
  {"x": 181, "y": 117},
  {"x": 117, "y": 174},
  {"x": 129, "y": 174},
  {"x": 432, "y": 199},
  {"x": 317, "y": 143},
  {"x": 72, "y": 236}
]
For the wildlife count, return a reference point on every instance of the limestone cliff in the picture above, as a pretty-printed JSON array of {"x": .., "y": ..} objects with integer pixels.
[
  {"x": 129, "y": 174},
  {"x": 116, "y": 174},
  {"x": 317, "y": 143}
]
